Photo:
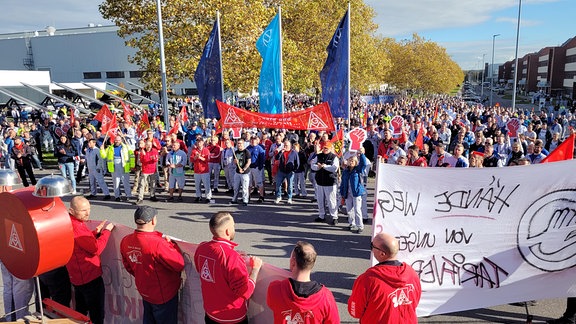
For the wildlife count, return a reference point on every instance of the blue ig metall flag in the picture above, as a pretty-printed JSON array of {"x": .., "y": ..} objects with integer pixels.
[
  {"x": 335, "y": 73},
  {"x": 270, "y": 84},
  {"x": 208, "y": 75}
]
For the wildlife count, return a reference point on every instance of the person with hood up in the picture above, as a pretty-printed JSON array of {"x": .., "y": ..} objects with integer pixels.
[{"x": 388, "y": 292}]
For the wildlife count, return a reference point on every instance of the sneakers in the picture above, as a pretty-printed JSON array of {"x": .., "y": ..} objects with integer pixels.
[
  {"x": 197, "y": 199},
  {"x": 138, "y": 202},
  {"x": 90, "y": 196},
  {"x": 215, "y": 190},
  {"x": 289, "y": 202},
  {"x": 153, "y": 198},
  {"x": 353, "y": 228},
  {"x": 233, "y": 202},
  {"x": 117, "y": 199},
  {"x": 244, "y": 204},
  {"x": 319, "y": 220},
  {"x": 260, "y": 200},
  {"x": 360, "y": 230},
  {"x": 335, "y": 221},
  {"x": 107, "y": 197},
  {"x": 561, "y": 320},
  {"x": 277, "y": 201}
]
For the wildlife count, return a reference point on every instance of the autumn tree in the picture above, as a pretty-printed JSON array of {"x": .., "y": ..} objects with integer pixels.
[
  {"x": 422, "y": 65},
  {"x": 307, "y": 29}
]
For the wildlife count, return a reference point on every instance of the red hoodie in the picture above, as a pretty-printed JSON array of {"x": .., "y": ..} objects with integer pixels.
[
  {"x": 317, "y": 308},
  {"x": 84, "y": 265},
  {"x": 155, "y": 264},
  {"x": 149, "y": 160},
  {"x": 386, "y": 294}
]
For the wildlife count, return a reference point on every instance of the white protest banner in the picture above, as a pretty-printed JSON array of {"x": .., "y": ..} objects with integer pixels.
[
  {"x": 482, "y": 237},
  {"x": 124, "y": 303}
]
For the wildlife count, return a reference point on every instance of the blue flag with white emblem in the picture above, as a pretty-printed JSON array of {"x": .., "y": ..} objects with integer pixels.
[
  {"x": 335, "y": 74},
  {"x": 270, "y": 84},
  {"x": 208, "y": 75}
]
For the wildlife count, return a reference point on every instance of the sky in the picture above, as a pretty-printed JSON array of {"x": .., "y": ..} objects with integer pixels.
[{"x": 464, "y": 27}]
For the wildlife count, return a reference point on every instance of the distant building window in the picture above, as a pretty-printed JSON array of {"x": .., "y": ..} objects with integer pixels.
[
  {"x": 115, "y": 75},
  {"x": 136, "y": 74},
  {"x": 92, "y": 75},
  {"x": 190, "y": 92}
]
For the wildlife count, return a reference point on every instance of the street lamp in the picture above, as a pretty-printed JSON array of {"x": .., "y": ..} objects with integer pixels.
[
  {"x": 492, "y": 68},
  {"x": 162, "y": 64},
  {"x": 482, "y": 84},
  {"x": 516, "y": 59}
]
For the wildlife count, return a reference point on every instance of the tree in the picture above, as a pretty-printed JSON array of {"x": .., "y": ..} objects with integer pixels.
[
  {"x": 307, "y": 29},
  {"x": 423, "y": 65}
]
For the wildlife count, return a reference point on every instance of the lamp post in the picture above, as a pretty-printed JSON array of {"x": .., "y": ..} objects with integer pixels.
[
  {"x": 516, "y": 59},
  {"x": 162, "y": 65},
  {"x": 492, "y": 68},
  {"x": 483, "y": 75}
]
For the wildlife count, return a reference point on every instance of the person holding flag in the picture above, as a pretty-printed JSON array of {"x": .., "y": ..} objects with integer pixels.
[{"x": 119, "y": 163}]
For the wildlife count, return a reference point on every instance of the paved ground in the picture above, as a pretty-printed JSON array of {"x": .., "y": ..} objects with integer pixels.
[{"x": 270, "y": 231}]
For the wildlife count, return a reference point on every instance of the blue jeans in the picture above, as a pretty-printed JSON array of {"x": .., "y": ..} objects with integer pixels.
[
  {"x": 166, "y": 313},
  {"x": 68, "y": 167},
  {"x": 280, "y": 176}
]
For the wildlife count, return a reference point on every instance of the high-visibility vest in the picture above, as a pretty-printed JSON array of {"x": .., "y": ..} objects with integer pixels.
[{"x": 128, "y": 158}]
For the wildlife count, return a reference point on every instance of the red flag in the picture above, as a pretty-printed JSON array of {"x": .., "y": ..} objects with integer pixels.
[
  {"x": 435, "y": 113},
  {"x": 183, "y": 114},
  {"x": 143, "y": 124},
  {"x": 219, "y": 126},
  {"x": 109, "y": 128},
  {"x": 564, "y": 151},
  {"x": 420, "y": 138},
  {"x": 104, "y": 111},
  {"x": 108, "y": 123},
  {"x": 175, "y": 128},
  {"x": 72, "y": 117},
  {"x": 338, "y": 142},
  {"x": 128, "y": 113}
]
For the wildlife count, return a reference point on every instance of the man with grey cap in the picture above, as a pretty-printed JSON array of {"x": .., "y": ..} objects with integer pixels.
[{"x": 156, "y": 264}]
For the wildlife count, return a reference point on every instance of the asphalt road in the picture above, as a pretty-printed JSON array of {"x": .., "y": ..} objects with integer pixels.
[{"x": 270, "y": 232}]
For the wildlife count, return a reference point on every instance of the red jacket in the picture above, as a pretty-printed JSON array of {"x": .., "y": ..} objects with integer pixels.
[
  {"x": 84, "y": 265},
  {"x": 226, "y": 285},
  {"x": 215, "y": 154},
  {"x": 386, "y": 294},
  {"x": 200, "y": 166},
  {"x": 155, "y": 264},
  {"x": 289, "y": 308},
  {"x": 149, "y": 160}
]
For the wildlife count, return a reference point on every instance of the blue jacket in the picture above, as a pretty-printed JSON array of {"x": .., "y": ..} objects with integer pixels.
[
  {"x": 258, "y": 156},
  {"x": 352, "y": 178}
]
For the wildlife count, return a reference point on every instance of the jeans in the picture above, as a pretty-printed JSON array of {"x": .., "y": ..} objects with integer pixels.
[
  {"x": 204, "y": 179},
  {"x": 17, "y": 294},
  {"x": 166, "y": 313},
  {"x": 244, "y": 180},
  {"x": 68, "y": 167},
  {"x": 90, "y": 300},
  {"x": 280, "y": 178}
]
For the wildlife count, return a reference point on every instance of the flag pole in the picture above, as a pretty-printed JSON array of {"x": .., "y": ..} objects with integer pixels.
[
  {"x": 281, "y": 63},
  {"x": 220, "y": 51},
  {"x": 349, "y": 41}
]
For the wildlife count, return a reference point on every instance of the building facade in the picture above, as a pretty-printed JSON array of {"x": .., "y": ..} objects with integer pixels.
[{"x": 551, "y": 70}]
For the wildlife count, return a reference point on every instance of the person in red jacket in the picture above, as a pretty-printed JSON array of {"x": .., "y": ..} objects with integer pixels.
[
  {"x": 388, "y": 292},
  {"x": 227, "y": 282},
  {"x": 156, "y": 264},
  {"x": 84, "y": 266},
  {"x": 299, "y": 299},
  {"x": 214, "y": 161},
  {"x": 148, "y": 157},
  {"x": 200, "y": 156}
]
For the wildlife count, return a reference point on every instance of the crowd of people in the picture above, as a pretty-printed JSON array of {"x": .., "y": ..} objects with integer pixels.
[{"x": 430, "y": 132}]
